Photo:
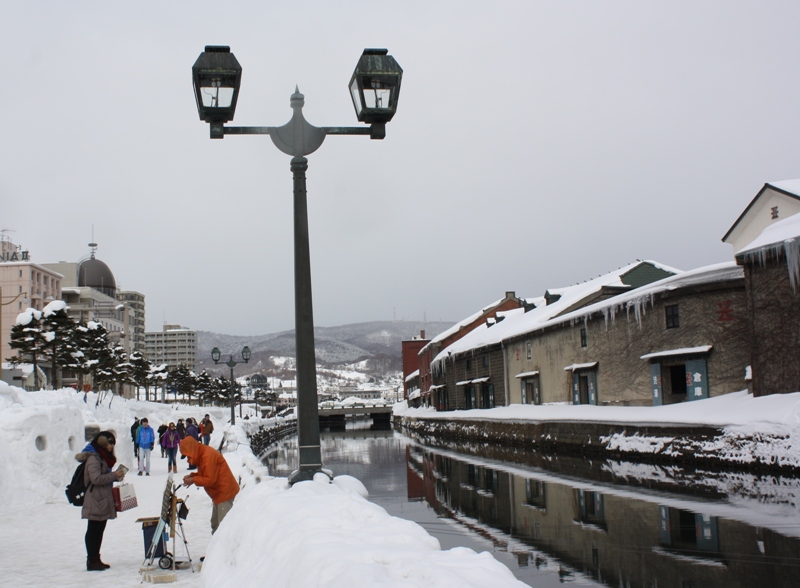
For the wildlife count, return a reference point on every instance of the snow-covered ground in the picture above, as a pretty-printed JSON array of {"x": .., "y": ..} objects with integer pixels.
[
  {"x": 312, "y": 534},
  {"x": 766, "y": 429}
]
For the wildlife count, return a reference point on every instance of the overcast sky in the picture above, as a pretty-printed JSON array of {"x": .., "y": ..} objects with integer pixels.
[{"x": 536, "y": 145}]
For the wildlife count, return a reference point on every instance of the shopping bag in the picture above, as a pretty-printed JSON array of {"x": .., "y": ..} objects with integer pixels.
[{"x": 124, "y": 497}]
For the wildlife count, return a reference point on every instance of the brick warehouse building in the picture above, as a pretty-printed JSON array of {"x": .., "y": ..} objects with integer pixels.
[
  {"x": 410, "y": 349},
  {"x": 772, "y": 270}
]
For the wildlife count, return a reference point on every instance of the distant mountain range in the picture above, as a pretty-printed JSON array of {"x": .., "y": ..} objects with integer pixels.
[{"x": 377, "y": 344}]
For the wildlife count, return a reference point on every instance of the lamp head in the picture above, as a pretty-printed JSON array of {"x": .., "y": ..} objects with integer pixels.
[
  {"x": 375, "y": 86},
  {"x": 216, "y": 76}
]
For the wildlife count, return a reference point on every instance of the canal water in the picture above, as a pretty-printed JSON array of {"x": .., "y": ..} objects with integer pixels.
[{"x": 555, "y": 520}]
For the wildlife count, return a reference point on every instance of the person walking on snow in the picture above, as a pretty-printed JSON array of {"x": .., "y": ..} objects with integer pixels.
[
  {"x": 193, "y": 432},
  {"x": 160, "y": 432},
  {"x": 208, "y": 428},
  {"x": 134, "y": 430},
  {"x": 146, "y": 438},
  {"x": 170, "y": 442},
  {"x": 213, "y": 475},
  {"x": 98, "y": 503},
  {"x": 192, "y": 429}
]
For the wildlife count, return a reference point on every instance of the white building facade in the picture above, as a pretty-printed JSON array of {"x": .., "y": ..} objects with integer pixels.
[
  {"x": 23, "y": 284},
  {"x": 175, "y": 346}
]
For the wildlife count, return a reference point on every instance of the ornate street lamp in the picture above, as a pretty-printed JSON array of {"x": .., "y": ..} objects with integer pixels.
[
  {"x": 216, "y": 76},
  {"x": 374, "y": 88},
  {"x": 232, "y": 363}
]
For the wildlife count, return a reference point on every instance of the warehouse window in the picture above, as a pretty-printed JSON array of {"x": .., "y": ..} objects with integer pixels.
[{"x": 673, "y": 316}]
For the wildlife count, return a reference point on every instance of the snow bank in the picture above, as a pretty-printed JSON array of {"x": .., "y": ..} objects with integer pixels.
[
  {"x": 764, "y": 429},
  {"x": 40, "y": 433},
  {"x": 318, "y": 533},
  {"x": 35, "y": 441}
]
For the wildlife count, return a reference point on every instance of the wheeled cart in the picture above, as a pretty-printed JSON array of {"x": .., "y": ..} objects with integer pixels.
[
  {"x": 159, "y": 547},
  {"x": 154, "y": 529}
]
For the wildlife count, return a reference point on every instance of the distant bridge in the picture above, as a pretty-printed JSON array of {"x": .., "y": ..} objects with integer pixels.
[{"x": 379, "y": 414}]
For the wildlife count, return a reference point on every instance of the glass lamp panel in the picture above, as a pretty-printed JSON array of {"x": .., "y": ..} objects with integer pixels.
[
  {"x": 356, "y": 96},
  {"x": 215, "y": 95},
  {"x": 377, "y": 97},
  {"x": 378, "y": 92}
]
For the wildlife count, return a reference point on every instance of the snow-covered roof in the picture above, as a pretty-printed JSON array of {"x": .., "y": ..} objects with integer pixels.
[
  {"x": 527, "y": 374},
  {"x": 41, "y": 268},
  {"x": 791, "y": 186},
  {"x": 780, "y": 237},
  {"x": 460, "y": 325},
  {"x": 25, "y": 368},
  {"x": 636, "y": 299},
  {"x": 545, "y": 316},
  {"x": 518, "y": 322},
  {"x": 776, "y": 233},
  {"x": 412, "y": 375}
]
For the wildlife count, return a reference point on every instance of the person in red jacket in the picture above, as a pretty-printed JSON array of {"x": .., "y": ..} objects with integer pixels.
[{"x": 213, "y": 475}]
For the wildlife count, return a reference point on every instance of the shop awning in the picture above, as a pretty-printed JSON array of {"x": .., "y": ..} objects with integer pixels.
[
  {"x": 682, "y": 351},
  {"x": 580, "y": 366},
  {"x": 480, "y": 380},
  {"x": 527, "y": 374}
]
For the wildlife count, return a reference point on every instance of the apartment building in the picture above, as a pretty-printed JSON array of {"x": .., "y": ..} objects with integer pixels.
[{"x": 174, "y": 346}]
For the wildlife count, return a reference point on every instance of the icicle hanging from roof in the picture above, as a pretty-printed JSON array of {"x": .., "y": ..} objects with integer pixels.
[{"x": 790, "y": 248}]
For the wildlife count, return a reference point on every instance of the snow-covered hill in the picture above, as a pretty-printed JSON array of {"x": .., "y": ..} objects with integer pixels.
[{"x": 379, "y": 342}]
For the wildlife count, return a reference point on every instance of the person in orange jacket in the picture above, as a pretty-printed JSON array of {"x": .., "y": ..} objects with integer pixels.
[{"x": 213, "y": 475}]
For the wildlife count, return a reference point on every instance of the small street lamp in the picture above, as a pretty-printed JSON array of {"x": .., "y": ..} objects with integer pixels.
[
  {"x": 374, "y": 88},
  {"x": 232, "y": 363}
]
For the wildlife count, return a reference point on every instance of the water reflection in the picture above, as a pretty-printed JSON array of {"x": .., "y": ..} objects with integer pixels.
[{"x": 555, "y": 520}]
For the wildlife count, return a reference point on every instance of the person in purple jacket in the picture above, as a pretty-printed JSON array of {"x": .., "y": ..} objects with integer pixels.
[{"x": 170, "y": 441}]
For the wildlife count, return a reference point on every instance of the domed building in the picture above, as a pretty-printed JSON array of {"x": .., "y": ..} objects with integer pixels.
[
  {"x": 90, "y": 290},
  {"x": 93, "y": 273}
]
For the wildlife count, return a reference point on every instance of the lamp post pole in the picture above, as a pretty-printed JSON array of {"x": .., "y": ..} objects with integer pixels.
[
  {"x": 374, "y": 88},
  {"x": 232, "y": 363}
]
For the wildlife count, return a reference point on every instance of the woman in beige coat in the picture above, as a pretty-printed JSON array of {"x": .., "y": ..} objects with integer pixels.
[{"x": 98, "y": 505}]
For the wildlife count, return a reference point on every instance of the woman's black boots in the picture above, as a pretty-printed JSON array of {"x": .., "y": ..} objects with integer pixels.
[{"x": 93, "y": 564}]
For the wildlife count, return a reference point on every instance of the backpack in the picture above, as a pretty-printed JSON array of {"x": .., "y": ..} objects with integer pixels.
[{"x": 76, "y": 490}]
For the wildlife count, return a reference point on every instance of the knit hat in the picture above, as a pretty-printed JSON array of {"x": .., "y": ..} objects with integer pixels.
[{"x": 106, "y": 438}]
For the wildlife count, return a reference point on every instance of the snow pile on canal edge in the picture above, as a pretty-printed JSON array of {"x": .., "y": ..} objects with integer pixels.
[
  {"x": 764, "y": 429},
  {"x": 318, "y": 533}
]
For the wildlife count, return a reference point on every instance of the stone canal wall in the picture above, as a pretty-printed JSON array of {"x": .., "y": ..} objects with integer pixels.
[{"x": 689, "y": 445}]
